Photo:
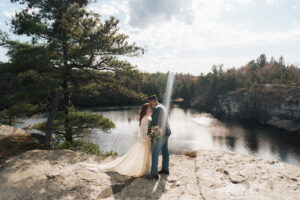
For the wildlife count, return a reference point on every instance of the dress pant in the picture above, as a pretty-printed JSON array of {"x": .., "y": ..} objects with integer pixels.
[{"x": 160, "y": 145}]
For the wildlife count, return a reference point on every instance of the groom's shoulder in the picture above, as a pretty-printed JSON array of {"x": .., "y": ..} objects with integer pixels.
[{"x": 160, "y": 106}]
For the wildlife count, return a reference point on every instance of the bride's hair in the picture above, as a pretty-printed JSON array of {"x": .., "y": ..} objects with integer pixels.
[{"x": 143, "y": 111}]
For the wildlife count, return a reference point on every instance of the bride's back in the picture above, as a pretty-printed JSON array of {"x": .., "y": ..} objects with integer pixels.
[{"x": 142, "y": 135}]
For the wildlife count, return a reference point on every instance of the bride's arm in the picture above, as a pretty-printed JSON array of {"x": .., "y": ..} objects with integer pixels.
[{"x": 144, "y": 126}]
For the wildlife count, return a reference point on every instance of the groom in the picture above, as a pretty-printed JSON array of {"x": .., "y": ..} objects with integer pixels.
[{"x": 159, "y": 116}]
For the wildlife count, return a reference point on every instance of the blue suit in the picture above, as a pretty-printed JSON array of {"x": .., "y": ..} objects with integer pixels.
[{"x": 158, "y": 114}]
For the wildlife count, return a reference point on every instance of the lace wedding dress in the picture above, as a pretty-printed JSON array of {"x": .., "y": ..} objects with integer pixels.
[{"x": 136, "y": 162}]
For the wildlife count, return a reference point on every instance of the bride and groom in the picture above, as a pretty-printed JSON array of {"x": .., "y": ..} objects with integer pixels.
[{"x": 144, "y": 154}]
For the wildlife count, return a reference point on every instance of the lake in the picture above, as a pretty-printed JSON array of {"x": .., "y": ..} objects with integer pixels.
[{"x": 193, "y": 130}]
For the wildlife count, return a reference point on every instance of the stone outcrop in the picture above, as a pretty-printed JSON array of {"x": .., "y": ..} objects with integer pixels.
[
  {"x": 6, "y": 130},
  {"x": 15, "y": 140},
  {"x": 274, "y": 105},
  {"x": 209, "y": 175}
]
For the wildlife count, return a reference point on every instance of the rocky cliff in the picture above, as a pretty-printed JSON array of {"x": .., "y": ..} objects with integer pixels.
[
  {"x": 268, "y": 104},
  {"x": 211, "y": 175}
]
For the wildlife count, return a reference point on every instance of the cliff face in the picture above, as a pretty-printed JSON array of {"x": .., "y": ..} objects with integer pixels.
[
  {"x": 277, "y": 106},
  {"x": 211, "y": 175}
]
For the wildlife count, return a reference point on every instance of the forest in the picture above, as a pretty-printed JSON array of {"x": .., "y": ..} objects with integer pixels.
[{"x": 132, "y": 88}]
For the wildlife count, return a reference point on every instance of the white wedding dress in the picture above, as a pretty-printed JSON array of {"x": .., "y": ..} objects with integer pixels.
[{"x": 136, "y": 162}]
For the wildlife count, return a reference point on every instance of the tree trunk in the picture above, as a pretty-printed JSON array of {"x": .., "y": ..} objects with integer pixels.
[
  {"x": 67, "y": 93},
  {"x": 67, "y": 104},
  {"x": 51, "y": 117}
]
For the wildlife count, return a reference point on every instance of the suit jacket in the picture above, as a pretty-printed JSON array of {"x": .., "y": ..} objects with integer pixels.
[{"x": 158, "y": 113}]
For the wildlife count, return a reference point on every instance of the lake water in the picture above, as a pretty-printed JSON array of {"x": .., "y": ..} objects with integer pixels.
[{"x": 193, "y": 130}]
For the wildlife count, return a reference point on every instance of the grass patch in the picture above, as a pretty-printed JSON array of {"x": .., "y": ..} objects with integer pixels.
[{"x": 84, "y": 146}]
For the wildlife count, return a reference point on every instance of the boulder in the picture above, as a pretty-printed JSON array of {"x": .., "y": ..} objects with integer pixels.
[{"x": 6, "y": 130}]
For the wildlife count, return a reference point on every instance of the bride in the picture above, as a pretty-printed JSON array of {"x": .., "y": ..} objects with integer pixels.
[{"x": 137, "y": 161}]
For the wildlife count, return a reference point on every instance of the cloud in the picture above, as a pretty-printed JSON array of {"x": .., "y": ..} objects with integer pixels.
[
  {"x": 12, "y": 13},
  {"x": 296, "y": 6},
  {"x": 33, "y": 10},
  {"x": 270, "y": 2},
  {"x": 206, "y": 30},
  {"x": 145, "y": 12},
  {"x": 203, "y": 32},
  {"x": 172, "y": 43},
  {"x": 109, "y": 9},
  {"x": 192, "y": 35},
  {"x": 9, "y": 14}
]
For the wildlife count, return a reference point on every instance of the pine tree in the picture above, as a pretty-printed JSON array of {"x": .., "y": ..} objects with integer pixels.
[
  {"x": 272, "y": 60},
  {"x": 281, "y": 62},
  {"x": 262, "y": 60},
  {"x": 67, "y": 39}
]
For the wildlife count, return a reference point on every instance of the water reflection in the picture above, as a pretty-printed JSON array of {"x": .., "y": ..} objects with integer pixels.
[
  {"x": 230, "y": 142},
  {"x": 192, "y": 130},
  {"x": 250, "y": 140}
]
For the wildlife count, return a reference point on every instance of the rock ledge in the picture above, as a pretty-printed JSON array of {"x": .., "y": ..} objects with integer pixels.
[{"x": 212, "y": 174}]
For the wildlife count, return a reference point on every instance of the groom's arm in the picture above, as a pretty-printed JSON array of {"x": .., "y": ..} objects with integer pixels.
[{"x": 154, "y": 116}]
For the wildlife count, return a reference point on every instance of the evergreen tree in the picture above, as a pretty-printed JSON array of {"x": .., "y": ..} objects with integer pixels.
[
  {"x": 262, "y": 60},
  {"x": 272, "y": 60},
  {"x": 281, "y": 62},
  {"x": 68, "y": 39}
]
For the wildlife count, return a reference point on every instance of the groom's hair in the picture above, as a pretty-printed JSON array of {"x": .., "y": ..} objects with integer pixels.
[{"x": 152, "y": 98}]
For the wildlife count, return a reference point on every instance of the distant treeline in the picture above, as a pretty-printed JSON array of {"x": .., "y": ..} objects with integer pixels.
[
  {"x": 203, "y": 90},
  {"x": 134, "y": 87}
]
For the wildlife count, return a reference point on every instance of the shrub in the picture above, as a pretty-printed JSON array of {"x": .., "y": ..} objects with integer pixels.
[
  {"x": 191, "y": 154},
  {"x": 84, "y": 146}
]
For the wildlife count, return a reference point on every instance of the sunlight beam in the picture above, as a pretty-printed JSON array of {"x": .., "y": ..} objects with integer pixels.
[{"x": 167, "y": 98}]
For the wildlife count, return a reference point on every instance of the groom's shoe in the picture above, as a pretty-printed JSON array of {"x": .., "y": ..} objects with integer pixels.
[
  {"x": 150, "y": 176},
  {"x": 164, "y": 172}
]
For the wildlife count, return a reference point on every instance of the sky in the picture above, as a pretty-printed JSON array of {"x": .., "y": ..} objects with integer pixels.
[{"x": 190, "y": 36}]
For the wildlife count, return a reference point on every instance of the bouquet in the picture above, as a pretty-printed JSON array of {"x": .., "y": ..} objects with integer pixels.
[{"x": 155, "y": 133}]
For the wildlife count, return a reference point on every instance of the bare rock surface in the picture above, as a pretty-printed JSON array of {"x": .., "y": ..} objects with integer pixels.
[
  {"x": 211, "y": 175},
  {"x": 6, "y": 130}
]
